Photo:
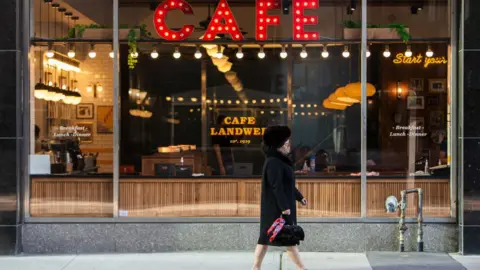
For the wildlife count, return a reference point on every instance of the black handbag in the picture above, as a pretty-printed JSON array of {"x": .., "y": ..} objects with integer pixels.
[{"x": 288, "y": 234}]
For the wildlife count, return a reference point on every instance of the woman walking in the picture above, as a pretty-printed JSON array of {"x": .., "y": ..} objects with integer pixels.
[{"x": 279, "y": 192}]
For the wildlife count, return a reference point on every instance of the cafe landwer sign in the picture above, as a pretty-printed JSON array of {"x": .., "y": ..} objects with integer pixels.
[
  {"x": 238, "y": 126},
  {"x": 418, "y": 60}
]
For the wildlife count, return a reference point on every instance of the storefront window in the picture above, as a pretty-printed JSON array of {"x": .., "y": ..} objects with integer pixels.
[
  {"x": 408, "y": 114},
  {"x": 71, "y": 101},
  {"x": 200, "y": 81}
]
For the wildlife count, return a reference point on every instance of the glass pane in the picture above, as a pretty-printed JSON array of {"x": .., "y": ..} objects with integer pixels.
[
  {"x": 408, "y": 113},
  {"x": 194, "y": 111},
  {"x": 71, "y": 105}
]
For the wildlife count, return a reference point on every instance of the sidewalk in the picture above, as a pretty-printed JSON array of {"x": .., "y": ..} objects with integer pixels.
[{"x": 243, "y": 261}]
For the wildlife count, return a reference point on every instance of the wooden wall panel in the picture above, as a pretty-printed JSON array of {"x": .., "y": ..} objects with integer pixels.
[
  {"x": 71, "y": 197},
  {"x": 85, "y": 197}
]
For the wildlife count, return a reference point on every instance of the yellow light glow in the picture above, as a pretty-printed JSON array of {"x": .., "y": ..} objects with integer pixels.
[{"x": 62, "y": 65}]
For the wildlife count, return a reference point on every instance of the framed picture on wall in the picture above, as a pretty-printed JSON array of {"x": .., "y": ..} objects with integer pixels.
[
  {"x": 416, "y": 84},
  {"x": 433, "y": 101},
  {"x": 437, "y": 85},
  {"x": 415, "y": 103},
  {"x": 85, "y": 111},
  {"x": 84, "y": 132},
  {"x": 105, "y": 119}
]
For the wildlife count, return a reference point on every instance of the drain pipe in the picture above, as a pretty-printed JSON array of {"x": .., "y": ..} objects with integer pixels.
[{"x": 392, "y": 205}]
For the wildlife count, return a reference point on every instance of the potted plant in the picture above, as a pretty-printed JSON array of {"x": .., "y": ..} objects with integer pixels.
[{"x": 352, "y": 30}]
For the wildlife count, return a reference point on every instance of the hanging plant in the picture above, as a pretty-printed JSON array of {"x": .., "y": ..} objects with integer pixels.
[{"x": 132, "y": 49}]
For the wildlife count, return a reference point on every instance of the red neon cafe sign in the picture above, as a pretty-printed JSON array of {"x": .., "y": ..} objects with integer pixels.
[{"x": 223, "y": 21}]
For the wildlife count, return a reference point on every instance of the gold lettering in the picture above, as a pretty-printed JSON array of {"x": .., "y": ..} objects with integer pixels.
[
  {"x": 247, "y": 131},
  {"x": 256, "y": 132},
  {"x": 213, "y": 132},
  {"x": 230, "y": 131},
  {"x": 263, "y": 130},
  {"x": 398, "y": 58},
  {"x": 235, "y": 121},
  {"x": 227, "y": 121},
  {"x": 243, "y": 120},
  {"x": 251, "y": 120},
  {"x": 238, "y": 131},
  {"x": 221, "y": 132},
  {"x": 419, "y": 59}
]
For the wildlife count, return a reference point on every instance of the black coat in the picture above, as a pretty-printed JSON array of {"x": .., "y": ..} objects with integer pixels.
[{"x": 279, "y": 193}]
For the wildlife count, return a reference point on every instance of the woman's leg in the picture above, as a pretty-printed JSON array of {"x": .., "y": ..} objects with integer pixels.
[
  {"x": 260, "y": 252},
  {"x": 294, "y": 255}
]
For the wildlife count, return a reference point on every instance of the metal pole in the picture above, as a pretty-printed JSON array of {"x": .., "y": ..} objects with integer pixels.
[
  {"x": 363, "y": 68},
  {"x": 289, "y": 88},
  {"x": 453, "y": 93},
  {"x": 401, "y": 226},
  {"x": 420, "y": 221},
  {"x": 116, "y": 111}
]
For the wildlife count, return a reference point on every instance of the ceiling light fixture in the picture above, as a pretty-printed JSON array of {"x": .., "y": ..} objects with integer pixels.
[
  {"x": 283, "y": 53},
  {"x": 50, "y": 53},
  {"x": 177, "y": 53},
  {"x": 346, "y": 53},
  {"x": 71, "y": 52},
  {"x": 219, "y": 53},
  {"x": 154, "y": 53},
  {"x": 239, "y": 52},
  {"x": 429, "y": 52},
  {"x": 408, "y": 52},
  {"x": 92, "y": 54},
  {"x": 198, "y": 53},
  {"x": 325, "y": 53},
  {"x": 387, "y": 52},
  {"x": 261, "y": 53},
  {"x": 368, "y": 54},
  {"x": 303, "y": 53}
]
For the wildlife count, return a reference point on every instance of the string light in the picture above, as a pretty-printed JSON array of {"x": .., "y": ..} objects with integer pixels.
[
  {"x": 177, "y": 53},
  {"x": 92, "y": 54},
  {"x": 198, "y": 53},
  {"x": 283, "y": 53},
  {"x": 387, "y": 52},
  {"x": 50, "y": 53},
  {"x": 154, "y": 53},
  {"x": 261, "y": 53},
  {"x": 346, "y": 53},
  {"x": 429, "y": 52},
  {"x": 408, "y": 52},
  {"x": 304, "y": 53},
  {"x": 368, "y": 52},
  {"x": 219, "y": 53},
  {"x": 239, "y": 53},
  {"x": 325, "y": 53},
  {"x": 71, "y": 52}
]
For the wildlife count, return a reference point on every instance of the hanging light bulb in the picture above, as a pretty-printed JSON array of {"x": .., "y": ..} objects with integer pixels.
[
  {"x": 387, "y": 52},
  {"x": 219, "y": 53},
  {"x": 283, "y": 53},
  {"x": 346, "y": 53},
  {"x": 154, "y": 53},
  {"x": 99, "y": 88},
  {"x": 261, "y": 53},
  {"x": 198, "y": 53},
  {"x": 368, "y": 52},
  {"x": 134, "y": 54},
  {"x": 89, "y": 88},
  {"x": 429, "y": 52},
  {"x": 71, "y": 53},
  {"x": 177, "y": 53},
  {"x": 408, "y": 52},
  {"x": 325, "y": 53},
  {"x": 50, "y": 53},
  {"x": 112, "y": 53},
  {"x": 92, "y": 54},
  {"x": 239, "y": 53},
  {"x": 303, "y": 53}
]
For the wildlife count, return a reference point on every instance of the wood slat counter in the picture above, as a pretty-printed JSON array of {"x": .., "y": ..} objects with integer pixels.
[{"x": 224, "y": 197}]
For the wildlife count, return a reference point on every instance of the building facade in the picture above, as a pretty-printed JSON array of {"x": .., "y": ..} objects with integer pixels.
[{"x": 124, "y": 133}]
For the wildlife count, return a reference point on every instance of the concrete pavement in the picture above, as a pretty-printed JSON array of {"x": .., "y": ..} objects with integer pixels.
[{"x": 242, "y": 261}]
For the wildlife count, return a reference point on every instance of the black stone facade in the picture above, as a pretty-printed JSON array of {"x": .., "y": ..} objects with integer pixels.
[{"x": 11, "y": 136}]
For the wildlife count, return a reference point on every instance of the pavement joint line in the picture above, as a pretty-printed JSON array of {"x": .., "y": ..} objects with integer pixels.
[{"x": 66, "y": 265}]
